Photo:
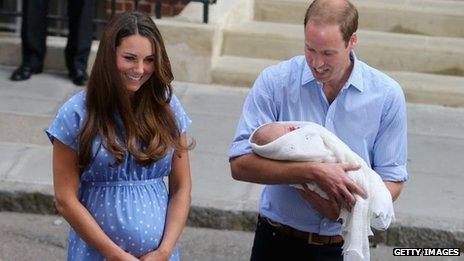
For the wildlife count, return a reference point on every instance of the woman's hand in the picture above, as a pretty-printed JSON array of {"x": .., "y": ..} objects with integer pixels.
[
  {"x": 157, "y": 255},
  {"x": 328, "y": 208},
  {"x": 124, "y": 256}
]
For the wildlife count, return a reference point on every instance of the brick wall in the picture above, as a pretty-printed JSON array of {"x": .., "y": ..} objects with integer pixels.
[{"x": 169, "y": 7}]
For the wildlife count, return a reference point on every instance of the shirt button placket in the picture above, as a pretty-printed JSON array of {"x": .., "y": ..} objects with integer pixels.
[
  {"x": 324, "y": 226},
  {"x": 329, "y": 124}
]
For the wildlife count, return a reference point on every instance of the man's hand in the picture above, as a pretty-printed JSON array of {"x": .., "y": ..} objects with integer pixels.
[
  {"x": 328, "y": 208},
  {"x": 334, "y": 180},
  {"x": 395, "y": 188}
]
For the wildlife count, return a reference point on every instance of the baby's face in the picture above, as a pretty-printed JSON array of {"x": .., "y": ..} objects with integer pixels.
[
  {"x": 283, "y": 129},
  {"x": 271, "y": 132}
]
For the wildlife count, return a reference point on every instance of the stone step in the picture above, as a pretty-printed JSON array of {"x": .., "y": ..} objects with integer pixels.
[
  {"x": 418, "y": 87},
  {"x": 386, "y": 51},
  {"x": 427, "y": 17},
  {"x": 238, "y": 71}
]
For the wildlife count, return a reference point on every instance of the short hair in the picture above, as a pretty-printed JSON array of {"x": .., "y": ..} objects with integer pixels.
[{"x": 342, "y": 13}]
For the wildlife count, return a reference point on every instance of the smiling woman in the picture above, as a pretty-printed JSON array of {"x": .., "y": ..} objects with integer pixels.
[
  {"x": 135, "y": 61},
  {"x": 113, "y": 144}
]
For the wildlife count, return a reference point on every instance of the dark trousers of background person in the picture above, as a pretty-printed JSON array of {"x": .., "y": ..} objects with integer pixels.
[
  {"x": 34, "y": 33},
  {"x": 271, "y": 244}
]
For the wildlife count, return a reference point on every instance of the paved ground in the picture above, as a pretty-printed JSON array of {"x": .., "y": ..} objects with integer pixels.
[
  {"x": 429, "y": 211},
  {"x": 43, "y": 237}
]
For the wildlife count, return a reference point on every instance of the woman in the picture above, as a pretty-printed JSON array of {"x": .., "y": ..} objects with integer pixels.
[{"x": 114, "y": 143}]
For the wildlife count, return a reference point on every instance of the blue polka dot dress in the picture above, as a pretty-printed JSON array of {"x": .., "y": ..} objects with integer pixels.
[{"x": 128, "y": 201}]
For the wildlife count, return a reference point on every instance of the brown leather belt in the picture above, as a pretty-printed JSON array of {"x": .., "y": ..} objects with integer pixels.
[{"x": 311, "y": 238}]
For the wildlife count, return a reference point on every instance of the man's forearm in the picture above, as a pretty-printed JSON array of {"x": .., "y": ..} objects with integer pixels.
[
  {"x": 256, "y": 169},
  {"x": 331, "y": 177},
  {"x": 395, "y": 188}
]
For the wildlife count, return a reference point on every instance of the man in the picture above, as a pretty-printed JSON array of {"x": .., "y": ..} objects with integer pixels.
[
  {"x": 33, "y": 39},
  {"x": 329, "y": 86}
]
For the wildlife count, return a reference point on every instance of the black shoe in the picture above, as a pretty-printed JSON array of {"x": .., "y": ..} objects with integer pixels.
[
  {"x": 24, "y": 73},
  {"x": 79, "y": 77}
]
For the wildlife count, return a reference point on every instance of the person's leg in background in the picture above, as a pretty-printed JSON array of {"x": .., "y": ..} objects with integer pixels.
[
  {"x": 33, "y": 39},
  {"x": 81, "y": 14}
]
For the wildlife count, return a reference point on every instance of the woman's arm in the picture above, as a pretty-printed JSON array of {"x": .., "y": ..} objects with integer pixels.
[
  {"x": 66, "y": 183},
  {"x": 180, "y": 186}
]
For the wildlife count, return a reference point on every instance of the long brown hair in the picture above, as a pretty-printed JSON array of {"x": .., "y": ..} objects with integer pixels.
[{"x": 149, "y": 124}]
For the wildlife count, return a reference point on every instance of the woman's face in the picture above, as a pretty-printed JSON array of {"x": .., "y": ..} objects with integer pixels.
[{"x": 135, "y": 61}]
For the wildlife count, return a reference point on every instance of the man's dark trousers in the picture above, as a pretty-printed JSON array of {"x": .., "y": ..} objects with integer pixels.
[
  {"x": 270, "y": 244},
  {"x": 34, "y": 31}
]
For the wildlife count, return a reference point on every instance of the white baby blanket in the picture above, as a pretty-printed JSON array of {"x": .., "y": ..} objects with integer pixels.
[{"x": 313, "y": 142}]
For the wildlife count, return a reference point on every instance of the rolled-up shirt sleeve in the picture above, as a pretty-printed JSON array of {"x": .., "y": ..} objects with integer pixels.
[
  {"x": 390, "y": 148},
  {"x": 258, "y": 109}
]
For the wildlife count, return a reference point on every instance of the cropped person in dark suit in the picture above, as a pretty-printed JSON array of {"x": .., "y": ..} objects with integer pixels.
[{"x": 34, "y": 33}]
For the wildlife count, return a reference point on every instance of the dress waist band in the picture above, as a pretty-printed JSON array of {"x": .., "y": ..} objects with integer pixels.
[{"x": 122, "y": 183}]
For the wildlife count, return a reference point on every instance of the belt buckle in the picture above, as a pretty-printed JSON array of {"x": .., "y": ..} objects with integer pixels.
[{"x": 311, "y": 242}]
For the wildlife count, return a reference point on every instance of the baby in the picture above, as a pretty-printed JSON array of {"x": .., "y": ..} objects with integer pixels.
[
  {"x": 272, "y": 131},
  {"x": 314, "y": 147},
  {"x": 307, "y": 141}
]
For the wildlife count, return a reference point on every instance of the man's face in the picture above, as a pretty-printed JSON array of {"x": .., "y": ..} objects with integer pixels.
[{"x": 326, "y": 53}]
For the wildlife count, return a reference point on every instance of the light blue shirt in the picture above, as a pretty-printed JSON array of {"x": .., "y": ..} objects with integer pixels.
[{"x": 369, "y": 115}]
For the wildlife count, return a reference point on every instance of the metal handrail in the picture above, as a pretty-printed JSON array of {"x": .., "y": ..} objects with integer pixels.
[
  {"x": 64, "y": 18},
  {"x": 54, "y": 17},
  {"x": 158, "y": 11}
]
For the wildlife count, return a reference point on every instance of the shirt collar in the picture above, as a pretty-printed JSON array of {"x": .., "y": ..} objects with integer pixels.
[
  {"x": 354, "y": 80},
  {"x": 307, "y": 75}
]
